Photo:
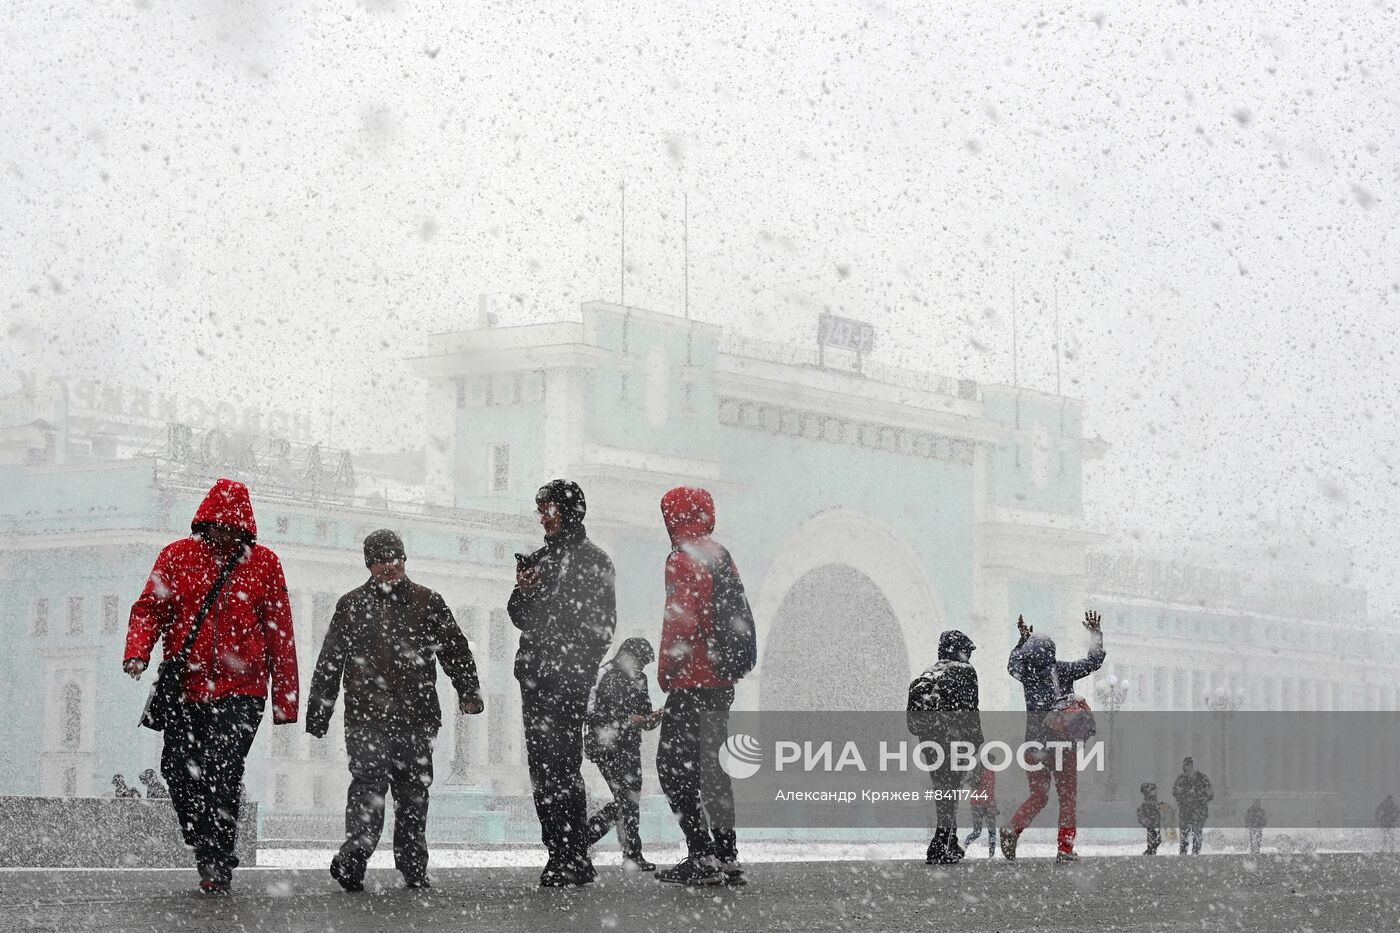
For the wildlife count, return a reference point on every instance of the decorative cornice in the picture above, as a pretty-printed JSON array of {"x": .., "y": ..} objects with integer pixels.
[{"x": 771, "y": 418}]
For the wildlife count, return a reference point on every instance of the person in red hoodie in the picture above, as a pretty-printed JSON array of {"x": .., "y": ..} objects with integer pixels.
[
  {"x": 695, "y": 721},
  {"x": 245, "y": 641}
]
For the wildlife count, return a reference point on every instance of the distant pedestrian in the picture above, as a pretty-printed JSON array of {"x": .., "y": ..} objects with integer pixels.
[
  {"x": 1193, "y": 794},
  {"x": 707, "y": 645},
  {"x": 565, "y": 606},
  {"x": 1048, "y": 684},
  {"x": 222, "y": 597},
  {"x": 383, "y": 643},
  {"x": 943, "y": 709},
  {"x": 1387, "y": 815},
  {"x": 1255, "y": 819},
  {"x": 619, "y": 709},
  {"x": 1149, "y": 817},
  {"x": 984, "y": 810},
  {"x": 155, "y": 787},
  {"x": 121, "y": 789}
]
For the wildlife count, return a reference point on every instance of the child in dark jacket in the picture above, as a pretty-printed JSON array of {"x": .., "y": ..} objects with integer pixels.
[
  {"x": 984, "y": 810},
  {"x": 1149, "y": 817},
  {"x": 619, "y": 708}
]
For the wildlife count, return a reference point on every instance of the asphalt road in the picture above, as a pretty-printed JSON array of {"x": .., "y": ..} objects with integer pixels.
[{"x": 1221, "y": 892}]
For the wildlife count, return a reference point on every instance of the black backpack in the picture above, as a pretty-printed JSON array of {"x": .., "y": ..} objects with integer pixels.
[
  {"x": 733, "y": 642},
  {"x": 926, "y": 697}
]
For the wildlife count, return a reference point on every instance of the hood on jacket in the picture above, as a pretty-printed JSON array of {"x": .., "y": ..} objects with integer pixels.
[
  {"x": 568, "y": 496},
  {"x": 689, "y": 513},
  {"x": 1039, "y": 652},
  {"x": 954, "y": 645},
  {"x": 227, "y": 504}
]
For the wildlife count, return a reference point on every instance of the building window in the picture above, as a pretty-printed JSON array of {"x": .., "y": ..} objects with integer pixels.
[
  {"x": 70, "y": 781},
  {"x": 281, "y": 743},
  {"x": 40, "y": 623},
  {"x": 322, "y": 608},
  {"x": 490, "y": 390},
  {"x": 111, "y": 614},
  {"x": 283, "y": 524},
  {"x": 459, "y": 388},
  {"x": 464, "y": 545},
  {"x": 75, "y": 615},
  {"x": 281, "y": 791},
  {"x": 72, "y": 715},
  {"x": 323, "y": 530},
  {"x": 518, "y": 387},
  {"x": 500, "y": 468},
  {"x": 318, "y": 792}
]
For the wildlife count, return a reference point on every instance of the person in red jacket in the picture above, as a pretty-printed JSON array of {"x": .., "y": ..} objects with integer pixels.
[
  {"x": 695, "y": 721},
  {"x": 244, "y": 642}
]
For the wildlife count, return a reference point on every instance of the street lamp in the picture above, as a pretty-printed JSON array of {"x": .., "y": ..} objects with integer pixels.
[
  {"x": 1111, "y": 696},
  {"x": 1223, "y": 705}
]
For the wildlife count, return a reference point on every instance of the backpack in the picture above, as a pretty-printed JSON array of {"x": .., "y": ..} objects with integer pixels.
[
  {"x": 1072, "y": 719},
  {"x": 732, "y": 643},
  {"x": 926, "y": 696}
]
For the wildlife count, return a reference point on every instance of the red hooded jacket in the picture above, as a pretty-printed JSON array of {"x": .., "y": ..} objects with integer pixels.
[
  {"x": 684, "y": 661},
  {"x": 250, "y": 623}
]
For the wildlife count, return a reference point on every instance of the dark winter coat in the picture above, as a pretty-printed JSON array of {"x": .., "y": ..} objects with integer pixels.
[
  {"x": 1045, "y": 679},
  {"x": 246, "y": 640},
  {"x": 956, "y": 718},
  {"x": 383, "y": 643},
  {"x": 567, "y": 621},
  {"x": 1255, "y": 817},
  {"x": 1387, "y": 814},
  {"x": 1149, "y": 813},
  {"x": 617, "y": 696},
  {"x": 1193, "y": 795}
]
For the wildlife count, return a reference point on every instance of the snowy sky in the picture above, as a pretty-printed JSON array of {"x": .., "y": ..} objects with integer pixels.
[{"x": 277, "y": 200}]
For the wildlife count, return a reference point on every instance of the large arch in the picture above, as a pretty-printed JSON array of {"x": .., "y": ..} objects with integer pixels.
[{"x": 870, "y": 548}]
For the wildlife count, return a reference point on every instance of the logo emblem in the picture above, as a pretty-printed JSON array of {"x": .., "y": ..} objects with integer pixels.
[{"x": 740, "y": 756}]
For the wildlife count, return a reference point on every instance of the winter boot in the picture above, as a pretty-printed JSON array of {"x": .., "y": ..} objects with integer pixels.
[
  {"x": 693, "y": 871},
  {"x": 1008, "y": 844},
  {"x": 1066, "y": 856},
  {"x": 348, "y": 872},
  {"x": 637, "y": 863}
]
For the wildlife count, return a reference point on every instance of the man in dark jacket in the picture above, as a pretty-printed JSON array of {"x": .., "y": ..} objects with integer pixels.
[
  {"x": 383, "y": 643},
  {"x": 1193, "y": 795},
  {"x": 1048, "y": 683},
  {"x": 619, "y": 708},
  {"x": 565, "y": 607},
  {"x": 244, "y": 644},
  {"x": 943, "y": 709}
]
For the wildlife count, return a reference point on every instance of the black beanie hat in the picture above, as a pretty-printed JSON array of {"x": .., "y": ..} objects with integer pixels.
[
  {"x": 383, "y": 546},
  {"x": 638, "y": 648},
  {"x": 568, "y": 496}
]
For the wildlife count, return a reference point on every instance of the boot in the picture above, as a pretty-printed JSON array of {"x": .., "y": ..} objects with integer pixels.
[{"x": 1008, "y": 844}]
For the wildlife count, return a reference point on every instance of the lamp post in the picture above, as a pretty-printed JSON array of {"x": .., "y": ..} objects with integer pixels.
[
  {"x": 1111, "y": 696},
  {"x": 1223, "y": 705}
]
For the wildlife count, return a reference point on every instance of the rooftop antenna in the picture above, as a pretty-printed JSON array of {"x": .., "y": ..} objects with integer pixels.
[
  {"x": 685, "y": 245},
  {"x": 622, "y": 269},
  {"x": 1015, "y": 358}
]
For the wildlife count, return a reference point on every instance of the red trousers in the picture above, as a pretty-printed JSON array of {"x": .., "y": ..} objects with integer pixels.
[{"x": 1066, "y": 779}]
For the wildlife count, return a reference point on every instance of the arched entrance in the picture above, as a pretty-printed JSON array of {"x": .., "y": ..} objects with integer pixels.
[{"x": 834, "y": 644}]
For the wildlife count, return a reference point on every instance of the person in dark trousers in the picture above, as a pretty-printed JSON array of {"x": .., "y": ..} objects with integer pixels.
[
  {"x": 383, "y": 643},
  {"x": 1149, "y": 817},
  {"x": 1255, "y": 819},
  {"x": 984, "y": 810},
  {"x": 942, "y": 709},
  {"x": 564, "y": 605},
  {"x": 696, "y": 718},
  {"x": 619, "y": 708},
  {"x": 1387, "y": 815},
  {"x": 245, "y": 642},
  {"x": 1193, "y": 795},
  {"x": 155, "y": 788},
  {"x": 1048, "y": 682}
]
